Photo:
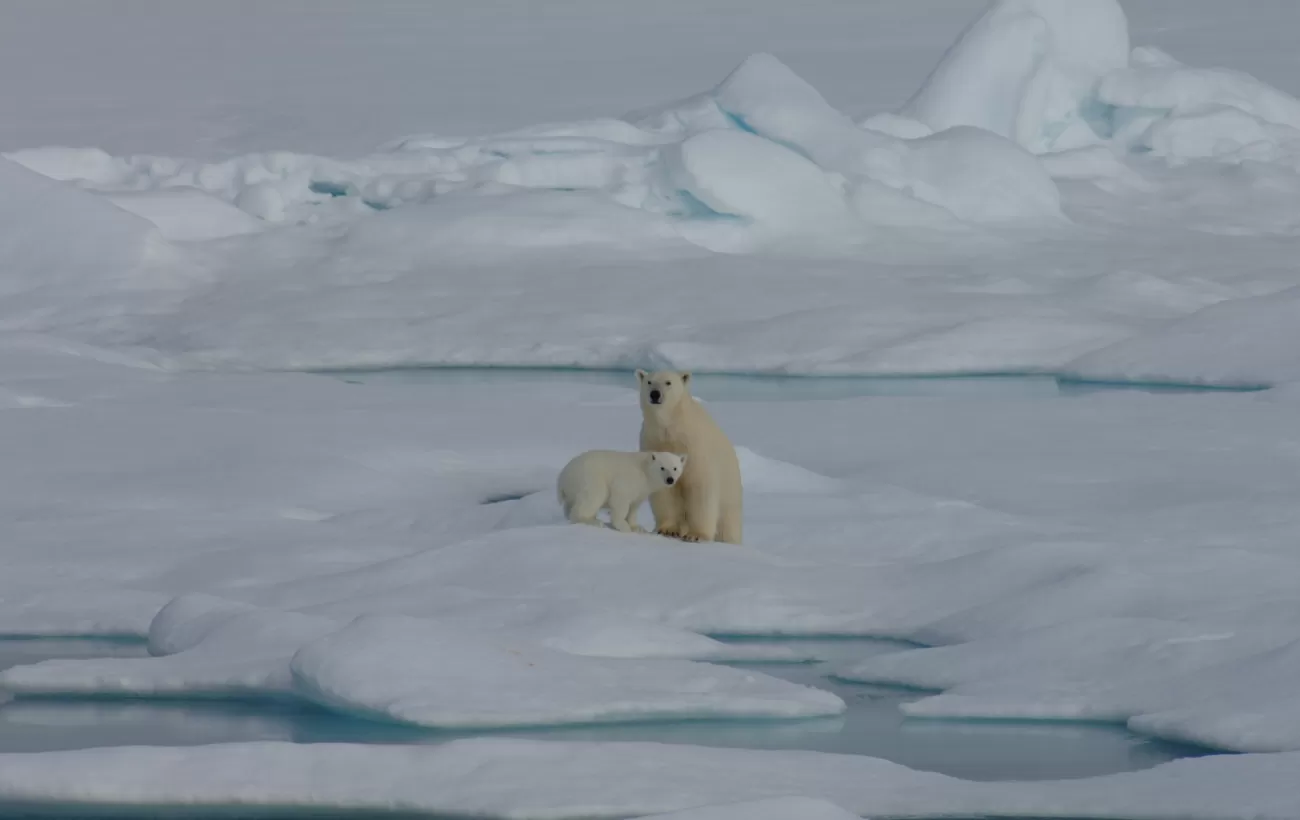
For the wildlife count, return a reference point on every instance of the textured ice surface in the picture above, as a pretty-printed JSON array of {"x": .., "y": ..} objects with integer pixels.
[
  {"x": 1020, "y": 532},
  {"x": 1024, "y": 70},
  {"x": 1076, "y": 195},
  {"x": 450, "y": 679},
  {"x": 500, "y": 778}
]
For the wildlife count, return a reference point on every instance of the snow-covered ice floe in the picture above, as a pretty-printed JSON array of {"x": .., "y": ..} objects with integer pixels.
[
  {"x": 532, "y": 780},
  {"x": 348, "y": 545},
  {"x": 1050, "y": 199}
]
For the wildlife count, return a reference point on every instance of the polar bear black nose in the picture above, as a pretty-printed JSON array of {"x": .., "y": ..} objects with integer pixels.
[
  {"x": 671, "y": 480},
  {"x": 655, "y": 396}
]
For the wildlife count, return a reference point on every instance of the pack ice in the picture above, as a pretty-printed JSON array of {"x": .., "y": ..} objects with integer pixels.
[
  {"x": 1041, "y": 122},
  {"x": 1049, "y": 200}
]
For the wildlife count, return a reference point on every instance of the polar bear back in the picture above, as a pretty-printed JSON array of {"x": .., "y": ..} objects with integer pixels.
[{"x": 606, "y": 472}]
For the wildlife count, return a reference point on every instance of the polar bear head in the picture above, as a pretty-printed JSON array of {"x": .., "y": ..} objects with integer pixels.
[
  {"x": 662, "y": 390},
  {"x": 664, "y": 469}
]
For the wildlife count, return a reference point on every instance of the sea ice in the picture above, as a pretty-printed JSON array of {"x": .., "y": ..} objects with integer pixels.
[
  {"x": 1024, "y": 69},
  {"x": 188, "y": 214},
  {"x": 1069, "y": 206},
  {"x": 536, "y": 780},
  {"x": 412, "y": 671}
]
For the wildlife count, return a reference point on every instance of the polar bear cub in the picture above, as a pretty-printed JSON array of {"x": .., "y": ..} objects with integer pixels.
[{"x": 615, "y": 481}]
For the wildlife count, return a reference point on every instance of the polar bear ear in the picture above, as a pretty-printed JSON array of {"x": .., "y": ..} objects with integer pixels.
[
  {"x": 640, "y": 376},
  {"x": 654, "y": 457},
  {"x": 686, "y": 378},
  {"x": 684, "y": 457}
]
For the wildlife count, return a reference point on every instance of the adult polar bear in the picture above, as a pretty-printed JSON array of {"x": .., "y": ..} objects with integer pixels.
[{"x": 706, "y": 505}]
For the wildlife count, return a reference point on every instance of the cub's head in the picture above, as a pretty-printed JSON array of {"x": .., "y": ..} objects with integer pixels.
[
  {"x": 663, "y": 389},
  {"x": 664, "y": 469}
]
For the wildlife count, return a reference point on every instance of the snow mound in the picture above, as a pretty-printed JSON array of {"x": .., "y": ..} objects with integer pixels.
[
  {"x": 763, "y": 107},
  {"x": 207, "y": 646},
  {"x": 1243, "y": 704},
  {"x": 1057, "y": 75},
  {"x": 1239, "y": 342},
  {"x": 244, "y": 654},
  {"x": 763, "y": 96},
  {"x": 75, "y": 611},
  {"x": 84, "y": 165},
  {"x": 762, "y": 157},
  {"x": 447, "y": 679},
  {"x": 188, "y": 214},
  {"x": 977, "y": 176},
  {"x": 767, "y": 475},
  {"x": 63, "y": 242},
  {"x": 764, "y": 147},
  {"x": 732, "y": 173},
  {"x": 187, "y": 619},
  {"x": 1172, "y": 110},
  {"x": 1023, "y": 70},
  {"x": 1098, "y": 164},
  {"x": 1226, "y": 685}
]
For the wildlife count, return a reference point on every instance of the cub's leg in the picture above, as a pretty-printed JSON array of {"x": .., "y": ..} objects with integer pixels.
[
  {"x": 622, "y": 513},
  {"x": 583, "y": 509}
]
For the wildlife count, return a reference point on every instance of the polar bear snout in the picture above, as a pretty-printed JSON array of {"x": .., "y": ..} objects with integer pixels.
[
  {"x": 656, "y": 397},
  {"x": 670, "y": 481}
]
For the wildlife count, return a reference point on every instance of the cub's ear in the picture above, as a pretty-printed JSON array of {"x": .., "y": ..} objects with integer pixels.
[
  {"x": 684, "y": 461},
  {"x": 686, "y": 378},
  {"x": 640, "y": 376},
  {"x": 654, "y": 457}
]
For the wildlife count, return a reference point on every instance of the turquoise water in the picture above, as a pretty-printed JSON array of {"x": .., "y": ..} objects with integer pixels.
[
  {"x": 776, "y": 387},
  {"x": 873, "y": 725}
]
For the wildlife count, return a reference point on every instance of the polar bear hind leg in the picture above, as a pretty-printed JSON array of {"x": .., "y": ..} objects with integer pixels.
[
  {"x": 584, "y": 508},
  {"x": 730, "y": 524}
]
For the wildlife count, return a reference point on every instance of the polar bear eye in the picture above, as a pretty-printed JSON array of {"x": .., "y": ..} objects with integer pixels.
[{"x": 668, "y": 383}]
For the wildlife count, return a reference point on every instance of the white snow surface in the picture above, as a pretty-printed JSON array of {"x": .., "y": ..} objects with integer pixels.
[
  {"x": 1133, "y": 549},
  {"x": 451, "y": 679},
  {"x": 1051, "y": 198}
]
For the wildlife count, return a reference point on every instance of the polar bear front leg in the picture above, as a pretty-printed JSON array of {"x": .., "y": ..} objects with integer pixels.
[
  {"x": 668, "y": 511},
  {"x": 622, "y": 513},
  {"x": 702, "y": 509},
  {"x": 633, "y": 524}
]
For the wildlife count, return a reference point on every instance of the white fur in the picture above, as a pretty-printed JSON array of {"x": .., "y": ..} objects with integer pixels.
[
  {"x": 707, "y": 504},
  {"x": 615, "y": 481}
]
